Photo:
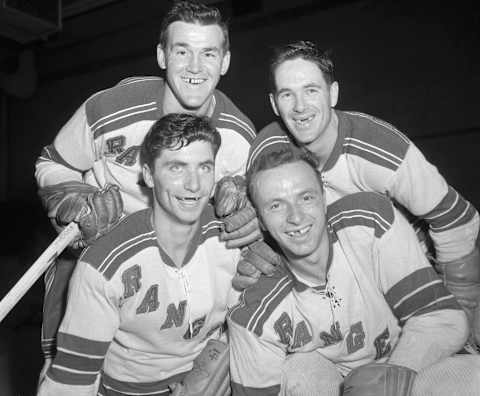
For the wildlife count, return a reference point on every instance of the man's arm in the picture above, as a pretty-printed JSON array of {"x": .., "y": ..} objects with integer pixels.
[
  {"x": 453, "y": 227},
  {"x": 433, "y": 324},
  {"x": 255, "y": 364},
  {"x": 88, "y": 327},
  {"x": 71, "y": 153},
  {"x": 422, "y": 190}
]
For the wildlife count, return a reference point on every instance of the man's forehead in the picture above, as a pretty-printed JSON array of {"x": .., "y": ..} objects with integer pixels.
[
  {"x": 286, "y": 178},
  {"x": 195, "y": 34},
  {"x": 298, "y": 70},
  {"x": 194, "y": 152}
]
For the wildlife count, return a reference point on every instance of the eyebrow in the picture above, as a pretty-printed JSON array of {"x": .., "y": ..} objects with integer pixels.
[
  {"x": 186, "y": 45},
  {"x": 309, "y": 85},
  {"x": 183, "y": 163},
  {"x": 208, "y": 162}
]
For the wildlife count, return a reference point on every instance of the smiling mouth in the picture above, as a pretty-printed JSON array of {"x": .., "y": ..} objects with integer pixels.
[
  {"x": 189, "y": 200},
  {"x": 193, "y": 81},
  {"x": 300, "y": 232},
  {"x": 304, "y": 121}
]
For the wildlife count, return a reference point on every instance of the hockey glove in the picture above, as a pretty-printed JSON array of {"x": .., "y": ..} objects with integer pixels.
[
  {"x": 257, "y": 258},
  {"x": 234, "y": 208},
  {"x": 379, "y": 379},
  {"x": 95, "y": 210},
  {"x": 462, "y": 278}
]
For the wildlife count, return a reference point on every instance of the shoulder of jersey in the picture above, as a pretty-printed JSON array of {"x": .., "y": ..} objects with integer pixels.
[
  {"x": 131, "y": 100},
  {"x": 259, "y": 301},
  {"x": 133, "y": 234},
  {"x": 229, "y": 116},
  {"x": 369, "y": 210},
  {"x": 271, "y": 138},
  {"x": 374, "y": 139}
]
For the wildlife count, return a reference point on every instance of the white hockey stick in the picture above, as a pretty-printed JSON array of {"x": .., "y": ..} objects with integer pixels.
[{"x": 69, "y": 234}]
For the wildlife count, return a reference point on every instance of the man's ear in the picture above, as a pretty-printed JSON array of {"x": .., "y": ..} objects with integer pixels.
[
  {"x": 147, "y": 175},
  {"x": 161, "y": 57},
  {"x": 273, "y": 104},
  {"x": 334, "y": 93},
  {"x": 225, "y": 63}
]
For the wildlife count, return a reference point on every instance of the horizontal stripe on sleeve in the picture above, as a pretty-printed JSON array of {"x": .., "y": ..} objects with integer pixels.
[
  {"x": 121, "y": 388},
  {"x": 78, "y": 360},
  {"x": 239, "y": 390},
  {"x": 82, "y": 345},
  {"x": 131, "y": 101},
  {"x": 271, "y": 138},
  {"x": 366, "y": 209},
  {"x": 418, "y": 293},
  {"x": 452, "y": 211}
]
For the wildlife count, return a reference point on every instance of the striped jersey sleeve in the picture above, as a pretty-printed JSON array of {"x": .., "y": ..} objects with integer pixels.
[
  {"x": 250, "y": 346},
  {"x": 270, "y": 138},
  {"x": 237, "y": 133},
  {"x": 88, "y": 327},
  {"x": 73, "y": 150},
  {"x": 410, "y": 284},
  {"x": 369, "y": 227},
  {"x": 384, "y": 160},
  {"x": 92, "y": 316}
]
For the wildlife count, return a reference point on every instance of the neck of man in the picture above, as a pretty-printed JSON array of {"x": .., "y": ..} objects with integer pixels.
[
  {"x": 172, "y": 105},
  {"x": 323, "y": 146},
  {"x": 173, "y": 237},
  {"x": 312, "y": 270}
]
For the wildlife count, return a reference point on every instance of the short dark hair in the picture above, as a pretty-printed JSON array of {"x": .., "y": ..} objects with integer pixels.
[
  {"x": 194, "y": 12},
  {"x": 305, "y": 50},
  {"x": 174, "y": 131},
  {"x": 288, "y": 154}
]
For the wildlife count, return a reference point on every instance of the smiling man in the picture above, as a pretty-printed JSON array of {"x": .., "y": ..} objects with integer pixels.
[
  {"x": 357, "y": 152},
  {"x": 100, "y": 144},
  {"x": 356, "y": 302},
  {"x": 145, "y": 299}
]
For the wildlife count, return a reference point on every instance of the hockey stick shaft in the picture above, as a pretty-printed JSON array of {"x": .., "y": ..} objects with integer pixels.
[{"x": 69, "y": 233}]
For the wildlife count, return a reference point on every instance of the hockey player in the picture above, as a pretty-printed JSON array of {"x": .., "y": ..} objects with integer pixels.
[
  {"x": 99, "y": 146},
  {"x": 146, "y": 297},
  {"x": 356, "y": 297},
  {"x": 358, "y": 152}
]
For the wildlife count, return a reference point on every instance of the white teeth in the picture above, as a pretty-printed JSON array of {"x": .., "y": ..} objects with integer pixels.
[
  {"x": 194, "y": 81},
  {"x": 300, "y": 232},
  {"x": 194, "y": 199},
  {"x": 301, "y": 122}
]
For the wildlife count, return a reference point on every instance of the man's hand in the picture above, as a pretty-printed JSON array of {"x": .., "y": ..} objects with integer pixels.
[
  {"x": 235, "y": 209},
  {"x": 95, "y": 211},
  {"x": 379, "y": 379},
  {"x": 257, "y": 258},
  {"x": 462, "y": 278}
]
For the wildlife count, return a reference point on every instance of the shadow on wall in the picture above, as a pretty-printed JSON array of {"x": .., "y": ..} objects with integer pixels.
[{"x": 28, "y": 234}]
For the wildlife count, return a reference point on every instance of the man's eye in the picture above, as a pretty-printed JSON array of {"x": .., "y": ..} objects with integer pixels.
[
  {"x": 180, "y": 52},
  {"x": 309, "y": 198},
  {"x": 210, "y": 55},
  {"x": 175, "y": 168},
  {"x": 207, "y": 168},
  {"x": 275, "y": 206},
  {"x": 312, "y": 91},
  {"x": 285, "y": 95}
]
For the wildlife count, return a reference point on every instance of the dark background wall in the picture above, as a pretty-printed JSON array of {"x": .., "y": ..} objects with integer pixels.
[{"x": 414, "y": 64}]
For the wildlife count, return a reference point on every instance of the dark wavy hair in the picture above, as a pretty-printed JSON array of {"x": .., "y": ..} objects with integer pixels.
[
  {"x": 194, "y": 12},
  {"x": 305, "y": 50},
  {"x": 175, "y": 131}
]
